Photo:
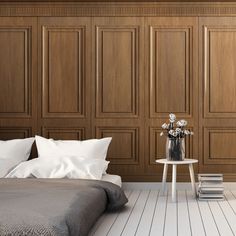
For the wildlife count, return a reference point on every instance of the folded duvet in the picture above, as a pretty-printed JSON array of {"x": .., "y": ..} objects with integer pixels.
[{"x": 57, "y": 207}]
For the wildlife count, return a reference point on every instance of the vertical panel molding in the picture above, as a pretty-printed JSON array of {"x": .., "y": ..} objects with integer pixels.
[
  {"x": 63, "y": 58},
  {"x": 117, "y": 74},
  {"x": 219, "y": 75},
  {"x": 15, "y": 72},
  {"x": 170, "y": 71},
  {"x": 124, "y": 148}
]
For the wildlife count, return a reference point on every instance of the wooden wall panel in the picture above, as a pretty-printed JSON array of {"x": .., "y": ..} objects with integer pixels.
[
  {"x": 219, "y": 58},
  {"x": 18, "y": 77},
  {"x": 92, "y": 77},
  {"x": 64, "y": 133},
  {"x": 219, "y": 145},
  {"x": 118, "y": 95},
  {"x": 124, "y": 148},
  {"x": 15, "y": 133},
  {"x": 172, "y": 86},
  {"x": 170, "y": 61},
  {"x": 217, "y": 95},
  {"x": 117, "y": 71},
  {"x": 15, "y": 71},
  {"x": 65, "y": 77},
  {"x": 63, "y": 71}
]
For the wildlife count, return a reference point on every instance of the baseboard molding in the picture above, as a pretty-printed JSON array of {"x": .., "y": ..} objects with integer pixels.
[{"x": 157, "y": 185}]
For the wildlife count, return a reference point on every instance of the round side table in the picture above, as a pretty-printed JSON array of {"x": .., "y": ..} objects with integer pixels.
[{"x": 174, "y": 164}]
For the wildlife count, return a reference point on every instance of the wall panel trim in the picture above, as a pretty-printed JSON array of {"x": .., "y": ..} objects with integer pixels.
[{"x": 118, "y": 9}]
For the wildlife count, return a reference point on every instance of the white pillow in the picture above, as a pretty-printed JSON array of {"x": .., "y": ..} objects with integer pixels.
[
  {"x": 92, "y": 148},
  {"x": 12, "y": 152},
  {"x": 60, "y": 167}
]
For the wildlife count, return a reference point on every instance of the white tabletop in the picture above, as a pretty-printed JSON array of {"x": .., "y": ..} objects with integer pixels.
[{"x": 185, "y": 162}]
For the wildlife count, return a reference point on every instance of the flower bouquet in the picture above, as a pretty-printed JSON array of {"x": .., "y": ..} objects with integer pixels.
[{"x": 175, "y": 143}]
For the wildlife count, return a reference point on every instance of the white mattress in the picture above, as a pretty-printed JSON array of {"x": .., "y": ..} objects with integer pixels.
[{"x": 115, "y": 179}]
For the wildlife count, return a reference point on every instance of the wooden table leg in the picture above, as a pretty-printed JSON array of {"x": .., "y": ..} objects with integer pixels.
[
  {"x": 191, "y": 171},
  {"x": 174, "y": 170},
  {"x": 164, "y": 178}
]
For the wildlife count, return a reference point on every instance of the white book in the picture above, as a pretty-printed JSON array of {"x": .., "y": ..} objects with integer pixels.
[
  {"x": 211, "y": 189},
  {"x": 211, "y": 199},
  {"x": 210, "y": 192},
  {"x": 210, "y": 179},
  {"x": 201, "y": 195},
  {"x": 211, "y": 184},
  {"x": 210, "y": 175}
]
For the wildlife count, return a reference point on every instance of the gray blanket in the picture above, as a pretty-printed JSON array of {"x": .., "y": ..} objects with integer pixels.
[{"x": 54, "y": 206}]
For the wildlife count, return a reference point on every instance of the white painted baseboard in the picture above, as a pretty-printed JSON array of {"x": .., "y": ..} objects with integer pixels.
[{"x": 157, "y": 185}]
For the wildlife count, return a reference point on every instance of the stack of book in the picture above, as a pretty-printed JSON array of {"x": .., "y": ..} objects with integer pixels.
[{"x": 210, "y": 187}]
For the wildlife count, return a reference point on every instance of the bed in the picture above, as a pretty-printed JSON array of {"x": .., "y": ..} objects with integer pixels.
[
  {"x": 115, "y": 179},
  {"x": 60, "y": 193},
  {"x": 57, "y": 207}
]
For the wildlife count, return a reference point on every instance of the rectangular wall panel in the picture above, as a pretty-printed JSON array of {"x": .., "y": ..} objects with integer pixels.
[
  {"x": 172, "y": 86},
  {"x": 63, "y": 71},
  {"x": 124, "y": 148},
  {"x": 117, "y": 78},
  {"x": 15, "y": 71},
  {"x": 7, "y": 133},
  {"x": 219, "y": 145},
  {"x": 170, "y": 71},
  {"x": 65, "y": 78},
  {"x": 18, "y": 78},
  {"x": 118, "y": 91},
  {"x": 60, "y": 133},
  {"x": 219, "y": 60},
  {"x": 217, "y": 95}
]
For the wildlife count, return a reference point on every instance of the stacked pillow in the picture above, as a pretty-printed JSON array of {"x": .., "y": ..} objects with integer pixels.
[
  {"x": 66, "y": 159},
  {"x": 89, "y": 149},
  {"x": 13, "y": 152}
]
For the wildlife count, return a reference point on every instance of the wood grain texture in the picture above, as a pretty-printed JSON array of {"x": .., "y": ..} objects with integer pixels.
[
  {"x": 219, "y": 58},
  {"x": 170, "y": 60},
  {"x": 18, "y": 67},
  {"x": 93, "y": 73},
  {"x": 64, "y": 108},
  {"x": 118, "y": 8},
  {"x": 216, "y": 98},
  {"x": 118, "y": 95},
  {"x": 117, "y": 53},
  {"x": 119, "y": 153},
  {"x": 18, "y": 77},
  {"x": 63, "y": 71},
  {"x": 172, "y": 86}
]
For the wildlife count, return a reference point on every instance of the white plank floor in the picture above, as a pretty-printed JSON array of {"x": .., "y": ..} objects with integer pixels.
[{"x": 148, "y": 212}]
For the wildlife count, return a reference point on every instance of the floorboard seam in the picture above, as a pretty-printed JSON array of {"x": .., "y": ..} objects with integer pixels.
[
  {"x": 154, "y": 212},
  {"x": 213, "y": 218},
  {"x": 188, "y": 212},
  {"x": 142, "y": 212},
  {"x": 165, "y": 214},
  {"x": 226, "y": 218},
  {"x": 130, "y": 213}
]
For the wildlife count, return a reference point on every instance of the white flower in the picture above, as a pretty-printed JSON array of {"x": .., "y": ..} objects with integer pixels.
[
  {"x": 171, "y": 132},
  {"x": 172, "y": 117},
  {"x": 181, "y": 123},
  {"x": 161, "y": 134},
  {"x": 191, "y": 133},
  {"x": 177, "y": 130},
  {"x": 165, "y": 126},
  {"x": 174, "y": 134},
  {"x": 187, "y": 132}
]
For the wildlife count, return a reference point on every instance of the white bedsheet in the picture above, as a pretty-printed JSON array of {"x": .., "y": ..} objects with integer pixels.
[{"x": 115, "y": 179}]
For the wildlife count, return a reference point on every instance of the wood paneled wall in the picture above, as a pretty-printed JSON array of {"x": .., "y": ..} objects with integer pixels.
[{"x": 93, "y": 77}]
